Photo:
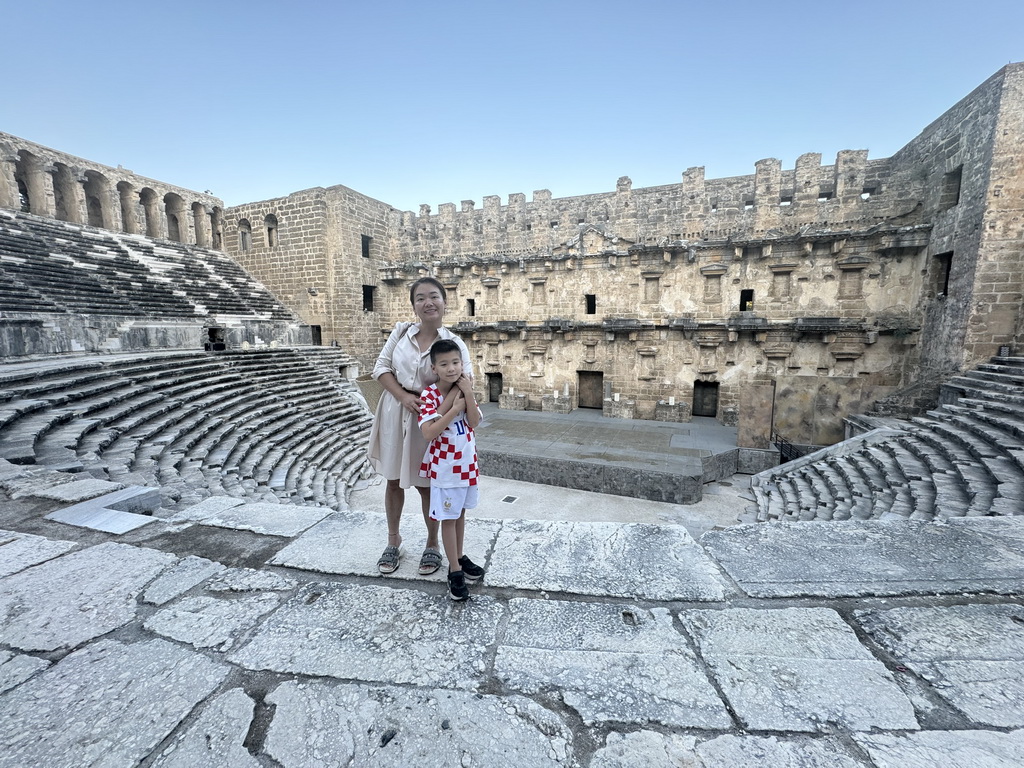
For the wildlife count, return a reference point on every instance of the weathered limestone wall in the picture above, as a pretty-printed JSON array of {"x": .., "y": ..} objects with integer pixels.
[
  {"x": 92, "y": 334},
  {"x": 951, "y": 162},
  {"x": 308, "y": 249}
]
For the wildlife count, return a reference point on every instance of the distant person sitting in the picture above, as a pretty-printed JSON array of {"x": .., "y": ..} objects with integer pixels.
[{"x": 448, "y": 414}]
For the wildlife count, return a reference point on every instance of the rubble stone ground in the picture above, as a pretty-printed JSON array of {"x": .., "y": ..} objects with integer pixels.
[{"x": 604, "y": 635}]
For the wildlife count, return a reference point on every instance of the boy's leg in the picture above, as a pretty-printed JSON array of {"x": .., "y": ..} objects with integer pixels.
[
  {"x": 451, "y": 534},
  {"x": 460, "y": 533}
]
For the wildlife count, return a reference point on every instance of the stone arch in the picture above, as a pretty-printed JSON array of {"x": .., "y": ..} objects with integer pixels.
[
  {"x": 201, "y": 224},
  {"x": 270, "y": 229},
  {"x": 35, "y": 188},
  {"x": 244, "y": 235},
  {"x": 97, "y": 200},
  {"x": 129, "y": 207},
  {"x": 174, "y": 209},
  {"x": 67, "y": 194},
  {"x": 151, "y": 212}
]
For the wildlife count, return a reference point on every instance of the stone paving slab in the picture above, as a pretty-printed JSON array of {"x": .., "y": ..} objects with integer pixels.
[
  {"x": 209, "y": 622},
  {"x": 208, "y": 507},
  {"x": 658, "y": 750},
  {"x": 369, "y": 727},
  {"x": 376, "y": 634},
  {"x": 100, "y": 519},
  {"x": 944, "y": 749},
  {"x": 109, "y": 704},
  {"x": 653, "y": 562},
  {"x": 853, "y": 559},
  {"x": 78, "y": 490},
  {"x": 16, "y": 668},
  {"x": 971, "y": 655},
  {"x": 350, "y": 543},
  {"x": 216, "y": 738},
  {"x": 19, "y": 551},
  {"x": 269, "y": 519},
  {"x": 797, "y": 669},
  {"x": 180, "y": 578},
  {"x": 76, "y": 597},
  {"x": 609, "y": 663}
]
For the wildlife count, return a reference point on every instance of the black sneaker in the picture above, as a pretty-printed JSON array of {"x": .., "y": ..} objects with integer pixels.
[
  {"x": 457, "y": 589},
  {"x": 473, "y": 571}
]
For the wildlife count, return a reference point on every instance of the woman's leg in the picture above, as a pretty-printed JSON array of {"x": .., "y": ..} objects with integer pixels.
[
  {"x": 394, "y": 501},
  {"x": 432, "y": 525}
]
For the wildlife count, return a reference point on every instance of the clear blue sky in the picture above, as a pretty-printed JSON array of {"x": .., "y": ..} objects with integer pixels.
[{"x": 431, "y": 102}]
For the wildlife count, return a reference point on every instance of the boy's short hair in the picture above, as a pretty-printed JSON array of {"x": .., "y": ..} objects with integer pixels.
[{"x": 441, "y": 346}]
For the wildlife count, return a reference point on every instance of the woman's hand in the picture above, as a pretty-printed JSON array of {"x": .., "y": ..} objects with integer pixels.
[{"x": 410, "y": 402}]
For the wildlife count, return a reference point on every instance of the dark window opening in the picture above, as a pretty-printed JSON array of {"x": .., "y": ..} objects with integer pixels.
[
  {"x": 270, "y": 222},
  {"x": 471, "y": 307},
  {"x": 368, "y": 298},
  {"x": 581, "y": 221},
  {"x": 951, "y": 188},
  {"x": 591, "y": 300},
  {"x": 366, "y": 240},
  {"x": 824, "y": 195},
  {"x": 748, "y": 205},
  {"x": 747, "y": 300},
  {"x": 785, "y": 201},
  {"x": 943, "y": 266},
  {"x": 867, "y": 193},
  {"x": 554, "y": 225},
  {"x": 714, "y": 206},
  {"x": 26, "y": 206}
]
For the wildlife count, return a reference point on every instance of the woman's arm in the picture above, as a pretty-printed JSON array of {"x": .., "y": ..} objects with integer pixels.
[
  {"x": 384, "y": 371},
  {"x": 408, "y": 400}
]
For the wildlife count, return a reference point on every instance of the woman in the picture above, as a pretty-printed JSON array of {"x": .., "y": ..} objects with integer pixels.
[{"x": 396, "y": 444}]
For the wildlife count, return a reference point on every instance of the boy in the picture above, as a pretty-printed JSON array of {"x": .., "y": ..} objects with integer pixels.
[{"x": 447, "y": 418}]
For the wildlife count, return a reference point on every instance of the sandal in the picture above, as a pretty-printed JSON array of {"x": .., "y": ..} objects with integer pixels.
[
  {"x": 430, "y": 561},
  {"x": 388, "y": 562}
]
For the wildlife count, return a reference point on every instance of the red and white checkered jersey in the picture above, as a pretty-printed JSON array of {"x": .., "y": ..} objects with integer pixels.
[{"x": 450, "y": 459}]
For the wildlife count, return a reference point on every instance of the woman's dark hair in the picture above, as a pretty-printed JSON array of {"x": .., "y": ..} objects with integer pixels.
[
  {"x": 441, "y": 346},
  {"x": 433, "y": 281}
]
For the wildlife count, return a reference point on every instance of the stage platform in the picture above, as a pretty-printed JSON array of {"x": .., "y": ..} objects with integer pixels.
[{"x": 654, "y": 460}]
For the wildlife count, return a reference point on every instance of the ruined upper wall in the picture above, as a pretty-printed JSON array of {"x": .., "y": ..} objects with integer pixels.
[
  {"x": 769, "y": 202},
  {"x": 39, "y": 180}
]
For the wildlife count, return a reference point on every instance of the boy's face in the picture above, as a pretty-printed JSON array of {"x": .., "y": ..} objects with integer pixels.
[{"x": 448, "y": 366}]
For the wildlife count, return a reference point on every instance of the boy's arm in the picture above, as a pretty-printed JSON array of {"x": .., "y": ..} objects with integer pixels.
[
  {"x": 473, "y": 415},
  {"x": 436, "y": 426}
]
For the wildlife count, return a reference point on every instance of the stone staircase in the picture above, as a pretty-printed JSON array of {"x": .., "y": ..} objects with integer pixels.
[
  {"x": 279, "y": 423},
  {"x": 965, "y": 458}
]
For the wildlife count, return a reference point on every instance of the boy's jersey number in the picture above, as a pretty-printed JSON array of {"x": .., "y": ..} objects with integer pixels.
[{"x": 460, "y": 426}]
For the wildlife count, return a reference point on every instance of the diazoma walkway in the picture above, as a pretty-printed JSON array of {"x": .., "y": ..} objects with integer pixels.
[{"x": 231, "y": 632}]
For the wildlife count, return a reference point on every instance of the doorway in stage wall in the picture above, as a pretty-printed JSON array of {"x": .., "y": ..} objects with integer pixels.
[
  {"x": 317, "y": 335},
  {"x": 590, "y": 385},
  {"x": 493, "y": 387},
  {"x": 705, "y": 398}
]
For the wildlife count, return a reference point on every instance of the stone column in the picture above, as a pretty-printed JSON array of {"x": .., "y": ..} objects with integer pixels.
[{"x": 9, "y": 197}]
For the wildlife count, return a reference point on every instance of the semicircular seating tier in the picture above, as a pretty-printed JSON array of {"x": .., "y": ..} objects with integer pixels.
[
  {"x": 284, "y": 422},
  {"x": 57, "y": 267},
  {"x": 965, "y": 458}
]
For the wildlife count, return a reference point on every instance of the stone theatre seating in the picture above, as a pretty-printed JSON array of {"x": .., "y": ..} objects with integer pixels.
[
  {"x": 248, "y": 424},
  {"x": 54, "y": 266},
  {"x": 965, "y": 458}
]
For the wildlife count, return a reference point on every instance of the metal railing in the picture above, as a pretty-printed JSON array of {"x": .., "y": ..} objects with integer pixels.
[{"x": 787, "y": 451}]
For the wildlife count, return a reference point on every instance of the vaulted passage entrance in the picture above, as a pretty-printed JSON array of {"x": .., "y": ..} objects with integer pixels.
[
  {"x": 705, "y": 398},
  {"x": 591, "y": 389}
]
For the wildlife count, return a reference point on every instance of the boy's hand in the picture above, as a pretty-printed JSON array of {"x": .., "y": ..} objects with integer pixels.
[{"x": 465, "y": 385}]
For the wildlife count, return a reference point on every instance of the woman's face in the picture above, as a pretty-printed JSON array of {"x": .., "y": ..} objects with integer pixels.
[{"x": 428, "y": 303}]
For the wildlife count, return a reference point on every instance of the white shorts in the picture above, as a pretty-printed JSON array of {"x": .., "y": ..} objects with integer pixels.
[{"x": 448, "y": 503}]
